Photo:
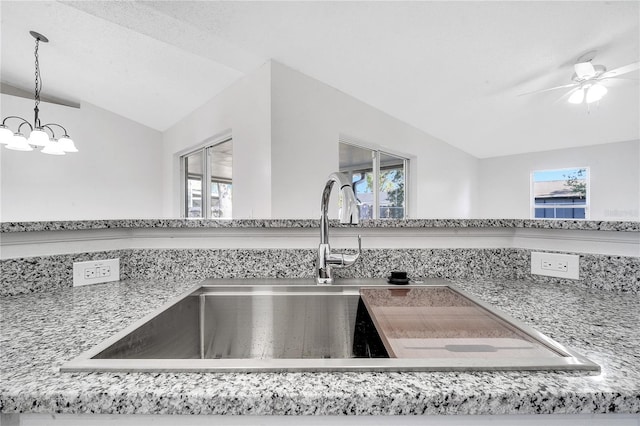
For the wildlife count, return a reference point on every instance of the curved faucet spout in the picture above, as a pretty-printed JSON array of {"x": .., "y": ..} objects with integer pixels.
[
  {"x": 349, "y": 213},
  {"x": 350, "y": 210}
]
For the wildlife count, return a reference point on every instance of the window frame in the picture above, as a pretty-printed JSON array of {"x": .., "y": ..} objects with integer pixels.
[
  {"x": 532, "y": 195},
  {"x": 376, "y": 171},
  {"x": 205, "y": 202}
]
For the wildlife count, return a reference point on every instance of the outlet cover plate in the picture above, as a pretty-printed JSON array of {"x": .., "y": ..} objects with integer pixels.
[
  {"x": 96, "y": 271},
  {"x": 555, "y": 265}
]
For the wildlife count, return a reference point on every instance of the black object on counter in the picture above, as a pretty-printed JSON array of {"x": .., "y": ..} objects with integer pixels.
[{"x": 398, "y": 277}]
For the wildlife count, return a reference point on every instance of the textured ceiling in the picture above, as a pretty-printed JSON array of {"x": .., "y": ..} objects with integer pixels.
[{"x": 452, "y": 69}]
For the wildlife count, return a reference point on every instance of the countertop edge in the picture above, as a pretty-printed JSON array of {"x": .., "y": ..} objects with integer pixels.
[
  {"x": 284, "y": 405},
  {"x": 69, "y": 225}
]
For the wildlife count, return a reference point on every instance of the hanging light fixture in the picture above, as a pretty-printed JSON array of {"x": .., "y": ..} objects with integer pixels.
[
  {"x": 588, "y": 93},
  {"x": 595, "y": 93},
  {"x": 40, "y": 135},
  {"x": 577, "y": 96}
]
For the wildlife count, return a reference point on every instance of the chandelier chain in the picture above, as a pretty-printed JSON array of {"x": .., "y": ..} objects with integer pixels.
[{"x": 38, "y": 77}]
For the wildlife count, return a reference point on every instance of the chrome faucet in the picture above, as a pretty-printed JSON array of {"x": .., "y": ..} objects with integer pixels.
[{"x": 349, "y": 213}]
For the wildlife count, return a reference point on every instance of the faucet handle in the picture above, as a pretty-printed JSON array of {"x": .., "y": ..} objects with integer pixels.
[{"x": 349, "y": 259}]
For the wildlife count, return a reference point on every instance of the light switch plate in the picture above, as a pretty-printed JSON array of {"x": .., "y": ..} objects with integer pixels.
[
  {"x": 96, "y": 271},
  {"x": 555, "y": 265}
]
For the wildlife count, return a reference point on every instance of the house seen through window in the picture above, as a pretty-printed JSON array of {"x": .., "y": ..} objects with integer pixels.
[
  {"x": 560, "y": 194},
  {"x": 379, "y": 181},
  {"x": 208, "y": 170}
]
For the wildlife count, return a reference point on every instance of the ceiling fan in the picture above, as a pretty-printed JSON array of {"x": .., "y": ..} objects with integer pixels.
[{"x": 587, "y": 80}]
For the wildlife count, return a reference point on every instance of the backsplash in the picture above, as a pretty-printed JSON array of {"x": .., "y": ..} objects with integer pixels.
[{"x": 50, "y": 273}]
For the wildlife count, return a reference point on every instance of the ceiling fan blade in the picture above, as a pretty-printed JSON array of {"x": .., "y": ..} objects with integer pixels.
[
  {"x": 621, "y": 70},
  {"x": 619, "y": 81},
  {"x": 551, "y": 88}
]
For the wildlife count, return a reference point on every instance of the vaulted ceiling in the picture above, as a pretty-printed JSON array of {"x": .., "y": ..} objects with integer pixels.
[{"x": 452, "y": 69}]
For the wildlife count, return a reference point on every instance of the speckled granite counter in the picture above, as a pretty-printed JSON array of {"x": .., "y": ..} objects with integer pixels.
[
  {"x": 42, "y": 331},
  {"x": 585, "y": 225}
]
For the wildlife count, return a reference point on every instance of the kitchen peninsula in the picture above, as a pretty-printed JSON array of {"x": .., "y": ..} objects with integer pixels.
[{"x": 46, "y": 321}]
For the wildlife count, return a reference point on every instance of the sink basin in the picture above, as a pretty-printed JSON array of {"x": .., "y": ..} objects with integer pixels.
[{"x": 295, "y": 325}]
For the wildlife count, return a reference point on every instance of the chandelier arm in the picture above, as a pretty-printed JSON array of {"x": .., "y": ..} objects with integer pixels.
[
  {"x": 23, "y": 123},
  {"x": 46, "y": 126},
  {"x": 15, "y": 116},
  {"x": 56, "y": 124}
]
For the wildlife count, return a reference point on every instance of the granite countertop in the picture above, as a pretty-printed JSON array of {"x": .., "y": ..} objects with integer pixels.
[
  {"x": 68, "y": 225},
  {"x": 42, "y": 331}
]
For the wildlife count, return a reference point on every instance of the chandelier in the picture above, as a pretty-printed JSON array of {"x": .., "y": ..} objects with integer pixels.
[{"x": 40, "y": 135}]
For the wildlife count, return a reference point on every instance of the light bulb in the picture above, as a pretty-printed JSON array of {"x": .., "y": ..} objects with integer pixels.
[
  {"x": 19, "y": 143},
  {"x": 5, "y": 134},
  {"x": 67, "y": 144},
  {"x": 39, "y": 137},
  {"x": 577, "y": 96},
  {"x": 595, "y": 93},
  {"x": 54, "y": 148}
]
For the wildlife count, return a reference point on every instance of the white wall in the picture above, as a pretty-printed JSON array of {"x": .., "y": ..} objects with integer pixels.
[
  {"x": 242, "y": 110},
  {"x": 505, "y": 182},
  {"x": 308, "y": 117},
  {"x": 285, "y": 128},
  {"x": 114, "y": 175}
]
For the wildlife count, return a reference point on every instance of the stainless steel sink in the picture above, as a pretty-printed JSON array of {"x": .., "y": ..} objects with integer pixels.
[{"x": 296, "y": 325}]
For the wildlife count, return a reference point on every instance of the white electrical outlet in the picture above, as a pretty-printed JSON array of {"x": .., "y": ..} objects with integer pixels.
[
  {"x": 558, "y": 265},
  {"x": 96, "y": 271},
  {"x": 555, "y": 265}
]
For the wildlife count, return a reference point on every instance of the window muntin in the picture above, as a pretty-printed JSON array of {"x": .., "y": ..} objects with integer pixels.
[
  {"x": 193, "y": 169},
  {"x": 208, "y": 170},
  {"x": 379, "y": 181},
  {"x": 560, "y": 193}
]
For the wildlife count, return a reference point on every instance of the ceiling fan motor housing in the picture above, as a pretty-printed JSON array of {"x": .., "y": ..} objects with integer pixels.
[{"x": 586, "y": 71}]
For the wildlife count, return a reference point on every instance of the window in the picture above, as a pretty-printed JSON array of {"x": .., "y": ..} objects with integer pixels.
[
  {"x": 560, "y": 194},
  {"x": 379, "y": 181},
  {"x": 208, "y": 171}
]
